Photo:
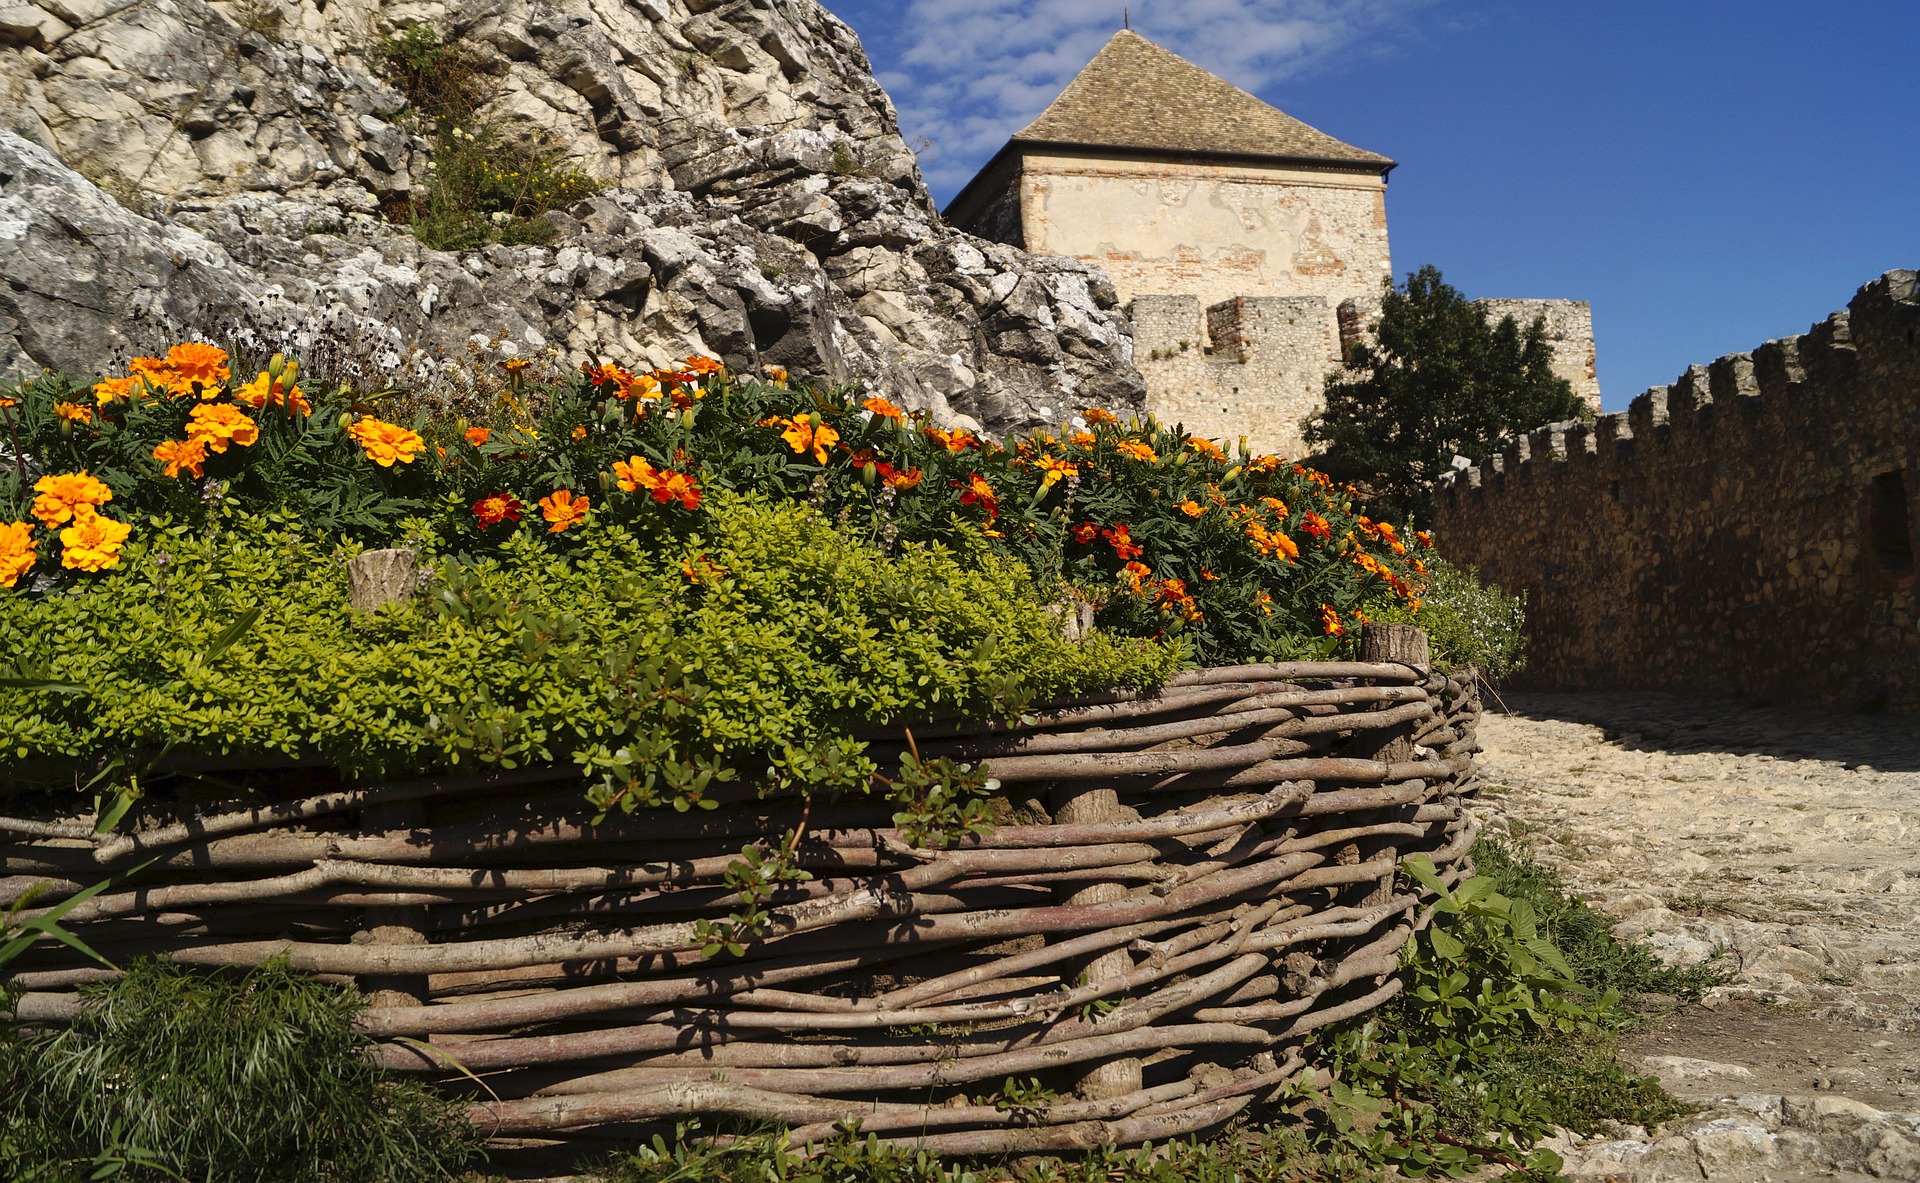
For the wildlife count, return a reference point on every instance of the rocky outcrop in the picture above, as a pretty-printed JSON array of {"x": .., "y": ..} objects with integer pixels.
[{"x": 172, "y": 163}]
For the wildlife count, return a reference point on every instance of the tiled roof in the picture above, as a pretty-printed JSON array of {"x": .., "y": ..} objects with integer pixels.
[{"x": 1134, "y": 94}]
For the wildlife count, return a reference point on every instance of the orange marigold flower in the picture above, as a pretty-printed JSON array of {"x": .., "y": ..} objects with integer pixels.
[
  {"x": 386, "y": 444},
  {"x": 500, "y": 507},
  {"x": 979, "y": 492},
  {"x": 1207, "y": 448},
  {"x": 188, "y": 455},
  {"x": 884, "y": 409},
  {"x": 514, "y": 365},
  {"x": 1278, "y": 506},
  {"x": 699, "y": 568},
  {"x": 1264, "y": 463},
  {"x": 803, "y": 435},
  {"x": 956, "y": 440},
  {"x": 1121, "y": 539},
  {"x": 900, "y": 481},
  {"x": 607, "y": 374},
  {"x": 1082, "y": 439},
  {"x": 17, "y": 553},
  {"x": 1099, "y": 415},
  {"x": 1085, "y": 532},
  {"x": 111, "y": 390},
  {"x": 1312, "y": 523},
  {"x": 703, "y": 365},
  {"x": 1133, "y": 573},
  {"x": 1264, "y": 602},
  {"x": 264, "y": 391},
  {"x": 64, "y": 496},
  {"x": 1423, "y": 537},
  {"x": 217, "y": 425},
  {"x": 73, "y": 412},
  {"x": 635, "y": 474},
  {"x": 640, "y": 387},
  {"x": 198, "y": 362},
  {"x": 93, "y": 542},
  {"x": 562, "y": 510},
  {"x": 677, "y": 486},
  {"x": 478, "y": 436},
  {"x": 1135, "y": 450},
  {"x": 579, "y": 433},
  {"x": 1192, "y": 508},
  {"x": 1330, "y": 622},
  {"x": 777, "y": 375}
]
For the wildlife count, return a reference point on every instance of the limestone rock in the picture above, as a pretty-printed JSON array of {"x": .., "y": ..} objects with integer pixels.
[{"x": 760, "y": 205}]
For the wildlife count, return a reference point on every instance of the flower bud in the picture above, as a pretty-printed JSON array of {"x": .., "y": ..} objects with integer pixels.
[
  {"x": 292, "y": 373},
  {"x": 276, "y": 365},
  {"x": 346, "y": 420}
]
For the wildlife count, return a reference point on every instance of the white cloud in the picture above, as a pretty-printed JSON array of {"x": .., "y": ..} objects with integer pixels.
[{"x": 966, "y": 74}]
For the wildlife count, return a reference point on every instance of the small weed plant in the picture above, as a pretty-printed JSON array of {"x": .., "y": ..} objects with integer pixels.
[{"x": 488, "y": 185}]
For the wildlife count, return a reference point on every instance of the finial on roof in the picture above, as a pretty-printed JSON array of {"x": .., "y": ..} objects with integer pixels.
[{"x": 1126, "y": 16}]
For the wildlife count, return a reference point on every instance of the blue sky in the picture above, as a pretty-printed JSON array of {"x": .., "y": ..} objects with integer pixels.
[{"x": 1709, "y": 174}]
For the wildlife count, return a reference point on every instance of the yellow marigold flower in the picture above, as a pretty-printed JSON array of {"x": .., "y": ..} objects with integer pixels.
[
  {"x": 1135, "y": 450},
  {"x": 562, "y": 509},
  {"x": 189, "y": 454},
  {"x": 93, "y": 542},
  {"x": 61, "y": 496},
  {"x": 883, "y": 408},
  {"x": 1330, "y": 622},
  {"x": 73, "y": 412},
  {"x": 1192, "y": 508},
  {"x": 777, "y": 375},
  {"x": 111, "y": 390},
  {"x": 386, "y": 444},
  {"x": 1053, "y": 469},
  {"x": 217, "y": 425},
  {"x": 514, "y": 365},
  {"x": 17, "y": 554},
  {"x": 803, "y": 435},
  {"x": 198, "y": 362}
]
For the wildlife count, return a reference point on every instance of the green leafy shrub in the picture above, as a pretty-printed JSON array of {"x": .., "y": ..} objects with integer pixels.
[
  {"x": 659, "y": 655},
  {"x": 1471, "y": 625},
  {"x": 242, "y": 1078}
]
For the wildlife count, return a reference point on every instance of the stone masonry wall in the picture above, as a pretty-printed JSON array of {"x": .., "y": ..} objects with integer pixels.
[
  {"x": 1749, "y": 531},
  {"x": 1248, "y": 368},
  {"x": 1569, "y": 325}
]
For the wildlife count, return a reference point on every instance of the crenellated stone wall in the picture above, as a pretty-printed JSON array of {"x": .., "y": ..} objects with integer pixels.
[{"x": 1750, "y": 530}]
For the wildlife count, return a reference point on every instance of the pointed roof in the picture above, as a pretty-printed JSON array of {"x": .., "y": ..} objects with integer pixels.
[{"x": 1134, "y": 94}]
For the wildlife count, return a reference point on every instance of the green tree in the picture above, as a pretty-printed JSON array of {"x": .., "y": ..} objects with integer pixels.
[{"x": 1440, "y": 381}]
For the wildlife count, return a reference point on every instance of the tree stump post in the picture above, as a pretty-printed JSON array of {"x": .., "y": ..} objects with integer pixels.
[
  {"x": 376, "y": 578},
  {"x": 1405, "y": 643},
  {"x": 1076, "y": 805}
]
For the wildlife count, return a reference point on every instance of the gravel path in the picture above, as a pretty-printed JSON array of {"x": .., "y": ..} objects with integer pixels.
[{"x": 1789, "y": 845}]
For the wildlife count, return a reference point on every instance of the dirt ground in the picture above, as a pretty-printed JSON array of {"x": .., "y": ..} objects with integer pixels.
[{"x": 1786, "y": 844}]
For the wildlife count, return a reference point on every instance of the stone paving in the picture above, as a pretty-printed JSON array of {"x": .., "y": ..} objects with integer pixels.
[{"x": 1788, "y": 845}]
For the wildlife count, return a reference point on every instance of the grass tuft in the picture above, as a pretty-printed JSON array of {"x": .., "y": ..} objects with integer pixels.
[{"x": 244, "y": 1078}]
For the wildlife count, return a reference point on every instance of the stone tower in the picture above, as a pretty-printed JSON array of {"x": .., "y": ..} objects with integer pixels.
[{"x": 1250, "y": 248}]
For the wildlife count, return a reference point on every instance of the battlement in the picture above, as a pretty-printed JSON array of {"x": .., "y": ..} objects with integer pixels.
[{"x": 1760, "y": 506}]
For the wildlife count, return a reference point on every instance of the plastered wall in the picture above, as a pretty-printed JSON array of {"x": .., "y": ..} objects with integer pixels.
[
  {"x": 1213, "y": 230},
  {"x": 1749, "y": 531}
]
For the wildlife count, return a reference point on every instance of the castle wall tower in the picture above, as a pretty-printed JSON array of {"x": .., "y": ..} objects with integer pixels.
[
  {"x": 1250, "y": 248},
  {"x": 1211, "y": 210}
]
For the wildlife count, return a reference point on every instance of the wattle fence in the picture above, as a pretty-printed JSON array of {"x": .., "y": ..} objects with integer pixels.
[{"x": 1180, "y": 886}]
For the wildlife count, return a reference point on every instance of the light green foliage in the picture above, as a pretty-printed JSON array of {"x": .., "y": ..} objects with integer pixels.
[
  {"x": 237, "y": 1078},
  {"x": 610, "y": 655},
  {"x": 1471, "y": 625}
]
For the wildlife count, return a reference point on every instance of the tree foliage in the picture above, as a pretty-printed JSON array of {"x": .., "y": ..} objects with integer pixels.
[{"x": 1440, "y": 381}]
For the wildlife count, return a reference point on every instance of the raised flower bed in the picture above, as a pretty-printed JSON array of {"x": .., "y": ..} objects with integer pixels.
[{"x": 919, "y": 870}]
